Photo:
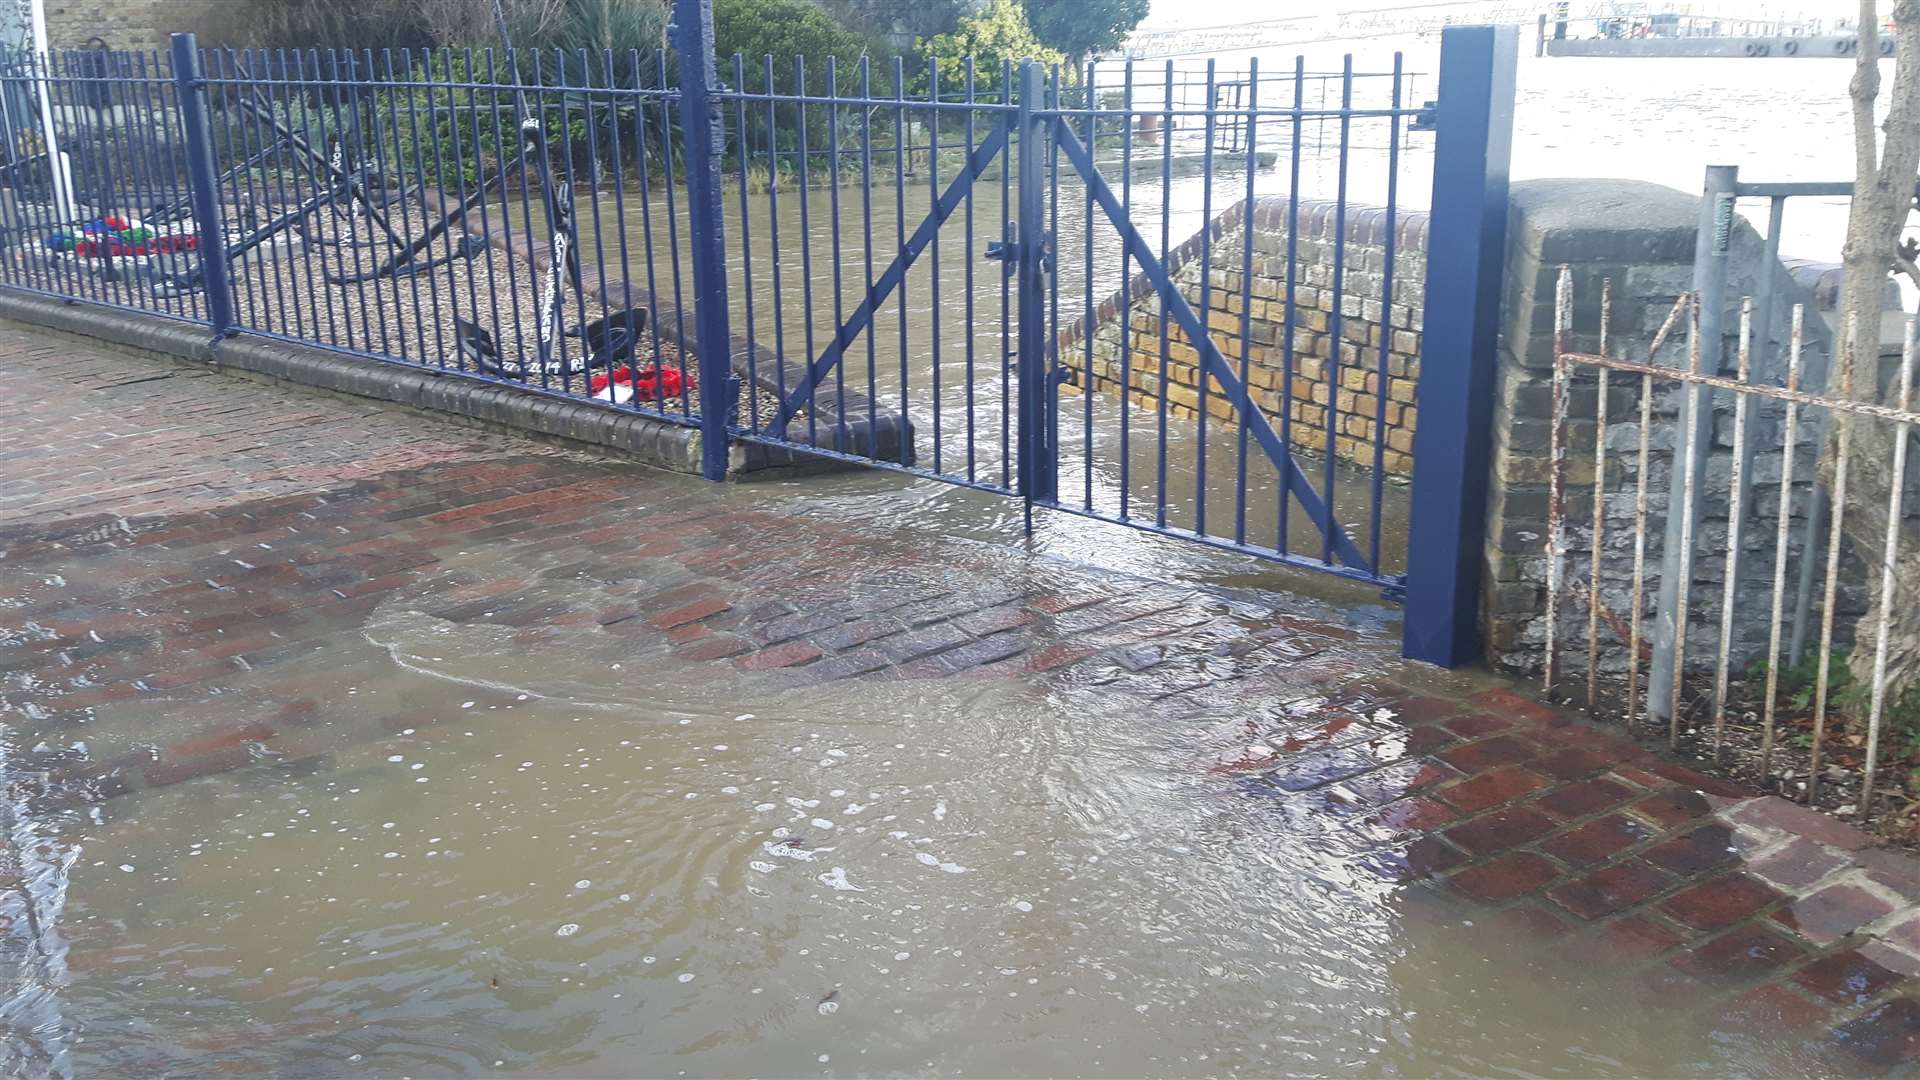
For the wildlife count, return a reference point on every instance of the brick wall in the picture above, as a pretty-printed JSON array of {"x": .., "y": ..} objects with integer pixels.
[
  {"x": 125, "y": 24},
  {"x": 1320, "y": 371}
]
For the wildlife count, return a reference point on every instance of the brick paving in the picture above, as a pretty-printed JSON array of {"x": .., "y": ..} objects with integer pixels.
[{"x": 171, "y": 535}]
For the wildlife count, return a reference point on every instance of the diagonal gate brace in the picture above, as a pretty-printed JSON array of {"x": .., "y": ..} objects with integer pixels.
[
  {"x": 1215, "y": 364},
  {"x": 889, "y": 280}
]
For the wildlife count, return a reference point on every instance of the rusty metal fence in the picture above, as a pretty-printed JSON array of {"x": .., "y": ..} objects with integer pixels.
[{"x": 1618, "y": 437}]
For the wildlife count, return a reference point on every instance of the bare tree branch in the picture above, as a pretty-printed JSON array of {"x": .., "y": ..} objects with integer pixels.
[
  {"x": 1907, "y": 268},
  {"x": 470, "y": 22}
]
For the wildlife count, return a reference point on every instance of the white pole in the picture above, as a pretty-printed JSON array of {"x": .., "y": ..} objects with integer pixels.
[{"x": 58, "y": 167}]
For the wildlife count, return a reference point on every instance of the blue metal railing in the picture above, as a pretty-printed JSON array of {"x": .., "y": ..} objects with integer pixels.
[{"x": 764, "y": 249}]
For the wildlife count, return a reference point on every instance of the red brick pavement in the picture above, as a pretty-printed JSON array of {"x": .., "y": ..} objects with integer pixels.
[{"x": 166, "y": 534}]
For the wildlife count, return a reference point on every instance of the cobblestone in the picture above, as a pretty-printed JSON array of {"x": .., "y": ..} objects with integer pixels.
[
  {"x": 1720, "y": 902},
  {"x": 1611, "y": 890},
  {"x": 1832, "y": 913},
  {"x": 1886, "y": 1037}
]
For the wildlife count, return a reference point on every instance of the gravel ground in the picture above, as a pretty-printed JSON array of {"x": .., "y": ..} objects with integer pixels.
[
  {"x": 282, "y": 286},
  {"x": 1896, "y": 812},
  {"x": 412, "y": 318}
]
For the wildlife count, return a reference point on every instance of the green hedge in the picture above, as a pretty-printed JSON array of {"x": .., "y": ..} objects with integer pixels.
[{"x": 440, "y": 120}]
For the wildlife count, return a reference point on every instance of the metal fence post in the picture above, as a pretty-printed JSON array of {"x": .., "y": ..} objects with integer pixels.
[
  {"x": 713, "y": 332},
  {"x": 190, "y": 88},
  {"x": 1710, "y": 247},
  {"x": 1466, "y": 256},
  {"x": 1039, "y": 474}
]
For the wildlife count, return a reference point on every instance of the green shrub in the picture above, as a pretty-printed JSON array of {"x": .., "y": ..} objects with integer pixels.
[
  {"x": 783, "y": 29},
  {"x": 994, "y": 36},
  {"x": 424, "y": 114},
  {"x": 1849, "y": 701},
  {"x": 1081, "y": 28},
  {"x": 621, "y": 27},
  {"x": 416, "y": 119},
  {"x": 434, "y": 129}
]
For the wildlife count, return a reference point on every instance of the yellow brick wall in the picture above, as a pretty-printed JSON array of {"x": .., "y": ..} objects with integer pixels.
[
  {"x": 126, "y": 24},
  {"x": 1363, "y": 361}
]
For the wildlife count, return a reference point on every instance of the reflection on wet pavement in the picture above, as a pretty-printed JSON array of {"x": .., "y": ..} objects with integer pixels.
[{"x": 378, "y": 746}]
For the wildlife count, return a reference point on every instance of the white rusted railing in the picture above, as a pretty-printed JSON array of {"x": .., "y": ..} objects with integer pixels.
[{"x": 1746, "y": 391}]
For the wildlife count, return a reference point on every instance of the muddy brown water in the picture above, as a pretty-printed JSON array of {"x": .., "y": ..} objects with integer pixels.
[{"x": 585, "y": 861}]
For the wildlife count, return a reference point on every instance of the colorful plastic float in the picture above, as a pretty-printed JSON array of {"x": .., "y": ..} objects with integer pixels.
[{"x": 115, "y": 246}]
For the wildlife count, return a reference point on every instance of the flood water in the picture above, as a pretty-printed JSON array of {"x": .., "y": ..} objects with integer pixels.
[{"x": 547, "y": 850}]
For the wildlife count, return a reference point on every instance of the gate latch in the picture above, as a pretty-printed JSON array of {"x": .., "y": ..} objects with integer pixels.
[
  {"x": 1007, "y": 252},
  {"x": 1427, "y": 119}
]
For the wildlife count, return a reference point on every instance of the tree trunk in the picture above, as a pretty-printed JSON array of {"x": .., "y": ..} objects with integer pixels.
[{"x": 1883, "y": 196}]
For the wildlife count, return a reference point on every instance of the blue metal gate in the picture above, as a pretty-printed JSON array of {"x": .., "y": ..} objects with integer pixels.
[
  {"x": 1183, "y": 299},
  {"x": 971, "y": 367}
]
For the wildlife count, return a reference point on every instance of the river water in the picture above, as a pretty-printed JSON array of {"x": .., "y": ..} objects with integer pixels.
[{"x": 1661, "y": 121}]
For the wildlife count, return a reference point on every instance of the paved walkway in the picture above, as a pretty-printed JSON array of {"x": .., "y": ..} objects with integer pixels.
[{"x": 165, "y": 533}]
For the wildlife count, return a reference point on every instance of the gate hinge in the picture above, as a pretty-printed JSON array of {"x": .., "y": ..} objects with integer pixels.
[{"x": 1427, "y": 119}]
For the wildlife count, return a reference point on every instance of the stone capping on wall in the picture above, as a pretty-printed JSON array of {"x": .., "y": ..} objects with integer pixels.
[
  {"x": 1317, "y": 218},
  {"x": 1821, "y": 278}
]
